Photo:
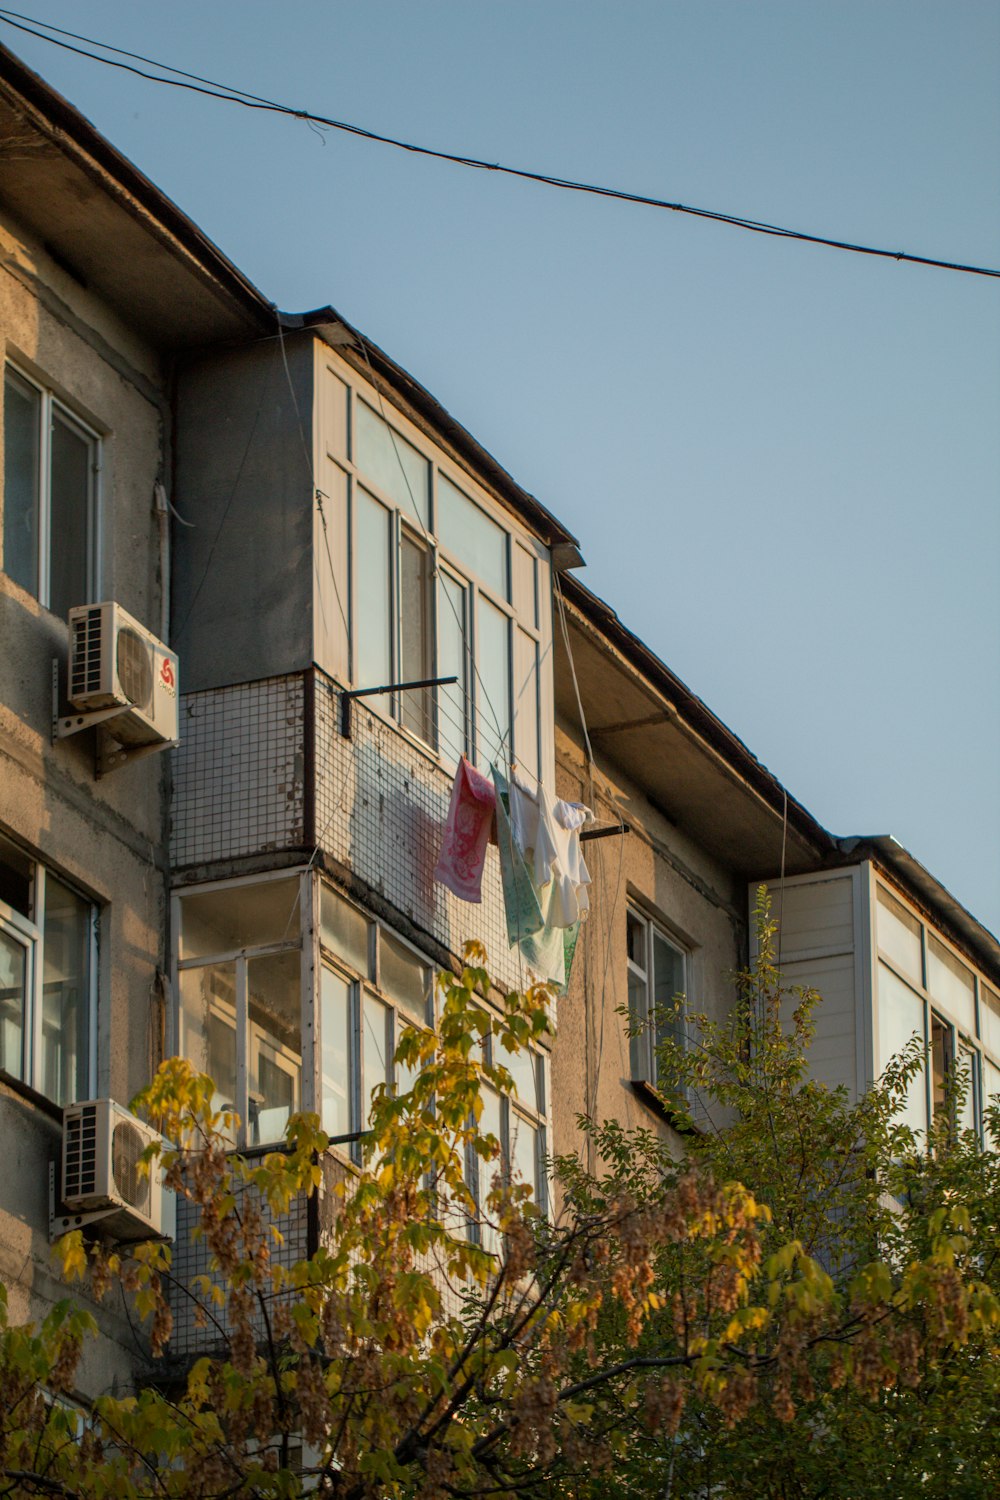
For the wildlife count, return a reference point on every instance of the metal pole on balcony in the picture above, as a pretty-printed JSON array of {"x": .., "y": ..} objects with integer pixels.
[{"x": 348, "y": 696}]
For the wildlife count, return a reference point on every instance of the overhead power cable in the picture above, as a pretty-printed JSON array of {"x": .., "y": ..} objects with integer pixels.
[{"x": 229, "y": 94}]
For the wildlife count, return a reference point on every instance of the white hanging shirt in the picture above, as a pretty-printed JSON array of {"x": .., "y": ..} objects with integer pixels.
[{"x": 548, "y": 835}]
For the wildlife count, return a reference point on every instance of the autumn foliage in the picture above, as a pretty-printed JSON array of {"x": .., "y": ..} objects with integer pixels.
[{"x": 663, "y": 1324}]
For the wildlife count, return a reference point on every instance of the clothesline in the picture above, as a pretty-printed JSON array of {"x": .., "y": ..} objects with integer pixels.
[{"x": 544, "y": 877}]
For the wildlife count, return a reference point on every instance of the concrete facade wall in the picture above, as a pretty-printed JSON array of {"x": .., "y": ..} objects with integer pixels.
[
  {"x": 105, "y": 837},
  {"x": 243, "y": 569},
  {"x": 699, "y": 903}
]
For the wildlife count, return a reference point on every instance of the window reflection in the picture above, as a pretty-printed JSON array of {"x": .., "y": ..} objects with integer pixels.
[{"x": 274, "y": 1055}]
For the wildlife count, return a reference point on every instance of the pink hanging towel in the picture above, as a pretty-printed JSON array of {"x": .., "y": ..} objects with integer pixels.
[{"x": 466, "y": 833}]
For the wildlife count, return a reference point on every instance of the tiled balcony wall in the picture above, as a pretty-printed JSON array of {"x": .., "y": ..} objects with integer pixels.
[{"x": 377, "y": 805}]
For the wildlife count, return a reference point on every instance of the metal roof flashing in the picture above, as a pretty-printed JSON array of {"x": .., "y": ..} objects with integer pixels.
[{"x": 937, "y": 901}]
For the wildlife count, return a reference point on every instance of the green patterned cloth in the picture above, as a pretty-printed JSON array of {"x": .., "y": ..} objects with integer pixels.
[{"x": 547, "y": 950}]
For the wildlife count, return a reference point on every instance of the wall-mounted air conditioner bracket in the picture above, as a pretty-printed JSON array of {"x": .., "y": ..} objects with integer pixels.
[
  {"x": 60, "y": 1224},
  {"x": 112, "y": 754},
  {"x": 64, "y": 726}
]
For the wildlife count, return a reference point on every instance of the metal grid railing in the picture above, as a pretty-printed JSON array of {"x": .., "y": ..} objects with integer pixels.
[
  {"x": 381, "y": 805},
  {"x": 239, "y": 782}
]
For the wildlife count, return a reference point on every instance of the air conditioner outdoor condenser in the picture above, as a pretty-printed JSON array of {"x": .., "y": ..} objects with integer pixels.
[
  {"x": 114, "y": 662},
  {"x": 102, "y": 1171}
]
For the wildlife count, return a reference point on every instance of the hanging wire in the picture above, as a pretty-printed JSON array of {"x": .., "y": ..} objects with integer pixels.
[{"x": 195, "y": 83}]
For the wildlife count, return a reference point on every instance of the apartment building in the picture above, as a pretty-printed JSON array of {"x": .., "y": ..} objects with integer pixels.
[{"x": 354, "y": 596}]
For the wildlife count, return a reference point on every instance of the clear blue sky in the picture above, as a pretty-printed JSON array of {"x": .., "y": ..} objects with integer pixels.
[{"x": 783, "y": 462}]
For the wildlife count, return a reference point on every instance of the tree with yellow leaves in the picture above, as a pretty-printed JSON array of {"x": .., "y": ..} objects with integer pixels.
[{"x": 445, "y": 1342}]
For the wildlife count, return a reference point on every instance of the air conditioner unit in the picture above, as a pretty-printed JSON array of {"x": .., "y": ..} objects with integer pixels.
[
  {"x": 103, "y": 1173},
  {"x": 116, "y": 663}
]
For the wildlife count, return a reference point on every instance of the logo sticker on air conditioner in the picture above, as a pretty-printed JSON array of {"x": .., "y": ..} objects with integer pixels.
[{"x": 167, "y": 680}]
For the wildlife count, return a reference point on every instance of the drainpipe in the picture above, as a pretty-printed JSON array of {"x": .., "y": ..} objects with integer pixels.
[{"x": 162, "y": 508}]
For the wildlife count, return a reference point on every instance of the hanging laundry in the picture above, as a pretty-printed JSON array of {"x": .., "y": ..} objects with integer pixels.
[
  {"x": 548, "y": 834},
  {"x": 544, "y": 953},
  {"x": 570, "y": 877},
  {"x": 549, "y": 954},
  {"x": 547, "y": 950},
  {"x": 466, "y": 833},
  {"x": 520, "y": 898},
  {"x": 570, "y": 938},
  {"x": 531, "y": 831}
]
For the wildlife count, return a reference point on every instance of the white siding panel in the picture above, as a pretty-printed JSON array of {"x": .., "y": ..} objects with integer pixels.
[
  {"x": 832, "y": 1055},
  {"x": 816, "y": 914}
]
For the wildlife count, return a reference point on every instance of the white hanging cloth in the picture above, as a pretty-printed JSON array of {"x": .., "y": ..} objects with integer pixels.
[{"x": 547, "y": 833}]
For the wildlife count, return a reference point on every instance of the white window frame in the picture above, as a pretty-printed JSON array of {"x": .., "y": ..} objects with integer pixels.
[
  {"x": 643, "y": 1046},
  {"x": 398, "y": 1013},
  {"x": 249, "y": 1034},
  {"x": 337, "y": 450},
  {"x": 29, "y": 932},
  {"x": 935, "y": 1006},
  {"x": 51, "y": 407},
  {"x": 514, "y": 1110},
  {"x": 27, "y": 937}
]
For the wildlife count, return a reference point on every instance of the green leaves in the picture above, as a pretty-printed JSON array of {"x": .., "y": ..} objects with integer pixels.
[{"x": 759, "y": 1318}]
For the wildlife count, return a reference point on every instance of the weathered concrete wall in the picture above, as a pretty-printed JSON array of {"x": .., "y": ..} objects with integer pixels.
[
  {"x": 242, "y": 579},
  {"x": 106, "y": 838},
  {"x": 700, "y": 903},
  {"x": 31, "y": 1140}
]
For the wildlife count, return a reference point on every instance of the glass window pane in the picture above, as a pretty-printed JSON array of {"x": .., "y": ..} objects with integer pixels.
[
  {"x": 406, "y": 1073},
  {"x": 967, "y": 1079},
  {"x": 208, "y": 1027},
  {"x": 344, "y": 930},
  {"x": 472, "y": 537},
  {"x": 244, "y": 916},
  {"x": 493, "y": 686},
  {"x": 63, "y": 1071},
  {"x": 636, "y": 939},
  {"x": 668, "y": 983},
  {"x": 900, "y": 1015},
  {"x": 404, "y": 976},
  {"x": 489, "y": 1124},
  {"x": 942, "y": 1062},
  {"x": 274, "y": 1049},
  {"x": 416, "y": 631},
  {"x": 522, "y": 1066},
  {"x": 640, "y": 1043},
  {"x": 331, "y": 579},
  {"x": 526, "y": 702},
  {"x": 525, "y": 600},
  {"x": 453, "y": 661},
  {"x": 71, "y": 483},
  {"x": 991, "y": 1093},
  {"x": 989, "y": 1018},
  {"x": 372, "y": 622},
  {"x": 335, "y": 1047},
  {"x": 21, "y": 444},
  {"x": 391, "y": 463},
  {"x": 16, "y": 871},
  {"x": 376, "y": 1044},
  {"x": 950, "y": 982},
  {"x": 524, "y": 1151},
  {"x": 14, "y": 979},
  {"x": 334, "y": 408},
  {"x": 899, "y": 935}
]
